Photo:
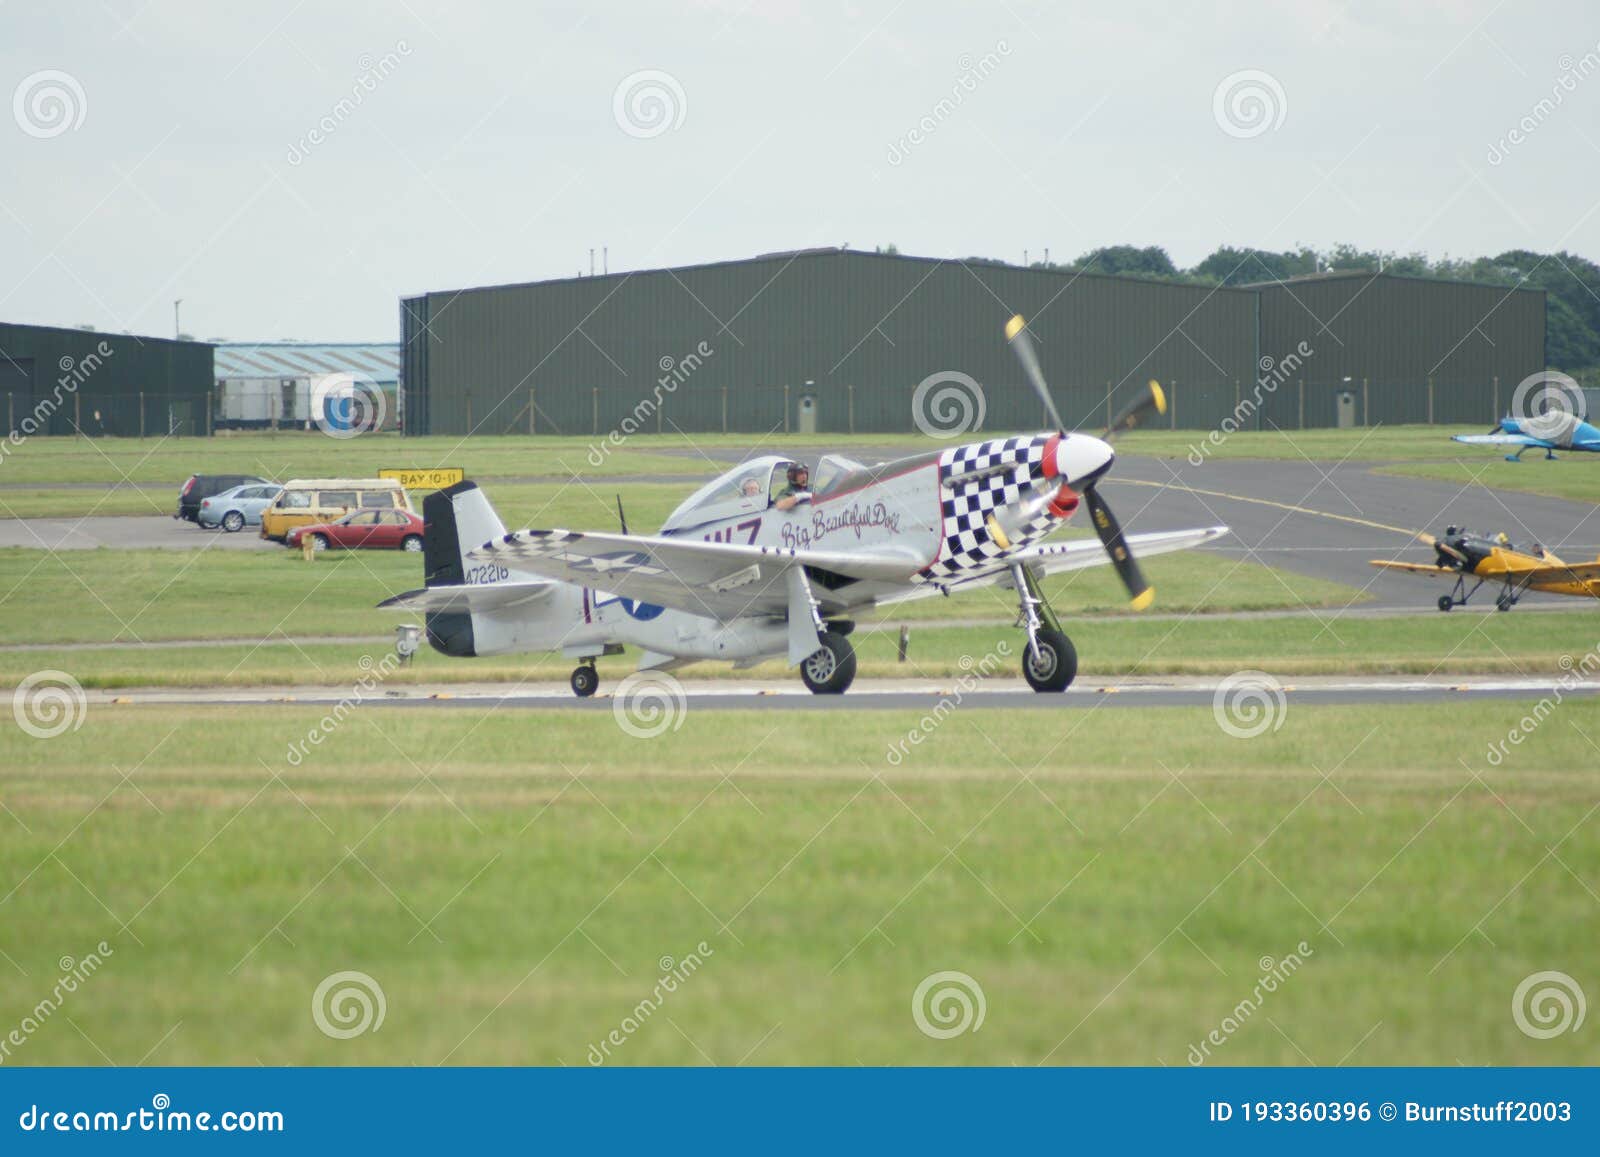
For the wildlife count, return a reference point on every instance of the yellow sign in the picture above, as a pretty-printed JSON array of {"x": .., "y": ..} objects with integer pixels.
[{"x": 436, "y": 479}]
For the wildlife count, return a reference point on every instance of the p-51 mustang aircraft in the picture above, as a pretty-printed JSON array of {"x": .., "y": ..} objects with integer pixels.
[
  {"x": 751, "y": 567},
  {"x": 1551, "y": 431},
  {"x": 1461, "y": 555}
]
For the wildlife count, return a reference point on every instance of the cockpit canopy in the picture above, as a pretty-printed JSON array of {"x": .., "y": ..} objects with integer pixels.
[{"x": 749, "y": 488}]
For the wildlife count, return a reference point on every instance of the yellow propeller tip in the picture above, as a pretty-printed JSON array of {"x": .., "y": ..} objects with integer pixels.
[
  {"x": 1014, "y": 327},
  {"x": 1144, "y": 598},
  {"x": 1159, "y": 395}
]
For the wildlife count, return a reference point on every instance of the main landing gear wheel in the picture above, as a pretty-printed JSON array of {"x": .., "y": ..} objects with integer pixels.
[
  {"x": 1446, "y": 602},
  {"x": 585, "y": 681},
  {"x": 832, "y": 667},
  {"x": 1056, "y": 664},
  {"x": 1504, "y": 603}
]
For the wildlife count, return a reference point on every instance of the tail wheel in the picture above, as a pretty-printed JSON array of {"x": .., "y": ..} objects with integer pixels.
[
  {"x": 1055, "y": 665},
  {"x": 831, "y": 668},
  {"x": 233, "y": 522},
  {"x": 585, "y": 681}
]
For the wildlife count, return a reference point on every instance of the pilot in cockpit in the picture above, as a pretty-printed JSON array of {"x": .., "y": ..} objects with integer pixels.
[
  {"x": 798, "y": 489},
  {"x": 750, "y": 487}
]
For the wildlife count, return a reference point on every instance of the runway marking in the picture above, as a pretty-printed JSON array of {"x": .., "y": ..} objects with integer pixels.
[{"x": 1289, "y": 506}]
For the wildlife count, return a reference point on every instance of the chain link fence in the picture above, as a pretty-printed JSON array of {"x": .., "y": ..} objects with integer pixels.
[
  {"x": 694, "y": 408},
  {"x": 1293, "y": 404}
]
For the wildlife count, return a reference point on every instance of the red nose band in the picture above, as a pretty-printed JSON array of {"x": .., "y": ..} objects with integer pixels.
[{"x": 1048, "y": 462}]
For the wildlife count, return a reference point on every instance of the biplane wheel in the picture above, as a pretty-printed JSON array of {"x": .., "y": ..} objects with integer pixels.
[
  {"x": 831, "y": 668},
  {"x": 1502, "y": 603},
  {"x": 585, "y": 681},
  {"x": 1056, "y": 664},
  {"x": 1446, "y": 602}
]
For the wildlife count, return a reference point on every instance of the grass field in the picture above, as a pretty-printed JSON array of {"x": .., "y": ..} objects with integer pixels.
[
  {"x": 1114, "y": 882},
  {"x": 1574, "y": 476},
  {"x": 1425, "y": 644},
  {"x": 150, "y": 595}
]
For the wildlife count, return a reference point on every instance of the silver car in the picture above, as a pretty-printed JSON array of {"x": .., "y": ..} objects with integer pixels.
[{"x": 235, "y": 509}]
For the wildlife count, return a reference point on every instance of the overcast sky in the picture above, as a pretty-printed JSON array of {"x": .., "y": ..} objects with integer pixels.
[{"x": 291, "y": 170}]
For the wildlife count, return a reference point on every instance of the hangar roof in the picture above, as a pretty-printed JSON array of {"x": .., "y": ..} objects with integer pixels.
[{"x": 379, "y": 361}]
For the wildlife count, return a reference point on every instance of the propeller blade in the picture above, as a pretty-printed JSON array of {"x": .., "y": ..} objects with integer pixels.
[
  {"x": 1111, "y": 537},
  {"x": 1017, "y": 335},
  {"x": 1135, "y": 412},
  {"x": 1425, "y": 538}
]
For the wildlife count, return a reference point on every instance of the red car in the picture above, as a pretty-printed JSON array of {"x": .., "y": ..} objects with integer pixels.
[{"x": 372, "y": 529}]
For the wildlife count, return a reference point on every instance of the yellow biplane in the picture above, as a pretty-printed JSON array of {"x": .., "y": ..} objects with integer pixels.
[{"x": 1463, "y": 555}]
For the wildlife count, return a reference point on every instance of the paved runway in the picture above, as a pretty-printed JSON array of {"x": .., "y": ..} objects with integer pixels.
[{"x": 883, "y": 694}]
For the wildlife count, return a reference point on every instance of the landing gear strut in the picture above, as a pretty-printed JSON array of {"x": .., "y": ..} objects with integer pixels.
[
  {"x": 585, "y": 679},
  {"x": 1459, "y": 594},
  {"x": 1050, "y": 662}
]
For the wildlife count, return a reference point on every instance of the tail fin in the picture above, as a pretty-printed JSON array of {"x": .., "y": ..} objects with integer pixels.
[{"x": 458, "y": 519}]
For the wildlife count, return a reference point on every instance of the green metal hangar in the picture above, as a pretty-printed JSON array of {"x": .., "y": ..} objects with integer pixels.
[
  {"x": 58, "y": 381},
  {"x": 1385, "y": 349},
  {"x": 830, "y": 339}
]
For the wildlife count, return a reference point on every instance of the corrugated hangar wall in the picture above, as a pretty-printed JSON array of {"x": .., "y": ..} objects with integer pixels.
[
  {"x": 579, "y": 356},
  {"x": 1405, "y": 349},
  {"x": 52, "y": 379}
]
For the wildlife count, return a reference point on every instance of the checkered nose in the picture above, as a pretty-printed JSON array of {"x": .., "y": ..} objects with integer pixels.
[{"x": 1081, "y": 459}]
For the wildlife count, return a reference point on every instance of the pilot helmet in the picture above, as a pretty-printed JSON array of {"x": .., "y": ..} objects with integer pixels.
[{"x": 797, "y": 472}]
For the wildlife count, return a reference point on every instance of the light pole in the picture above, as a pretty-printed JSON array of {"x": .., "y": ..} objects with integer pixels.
[{"x": 176, "y": 328}]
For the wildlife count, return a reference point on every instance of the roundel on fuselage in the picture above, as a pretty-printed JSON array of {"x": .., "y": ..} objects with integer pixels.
[{"x": 644, "y": 612}]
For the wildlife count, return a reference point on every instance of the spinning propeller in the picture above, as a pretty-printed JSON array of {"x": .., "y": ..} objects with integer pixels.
[{"x": 1105, "y": 523}]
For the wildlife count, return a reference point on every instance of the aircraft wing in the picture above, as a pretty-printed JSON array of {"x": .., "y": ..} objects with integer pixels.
[
  {"x": 1502, "y": 440},
  {"x": 1565, "y": 572},
  {"x": 466, "y": 599},
  {"x": 1078, "y": 554},
  {"x": 1055, "y": 557},
  {"x": 1426, "y": 569},
  {"x": 721, "y": 580}
]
